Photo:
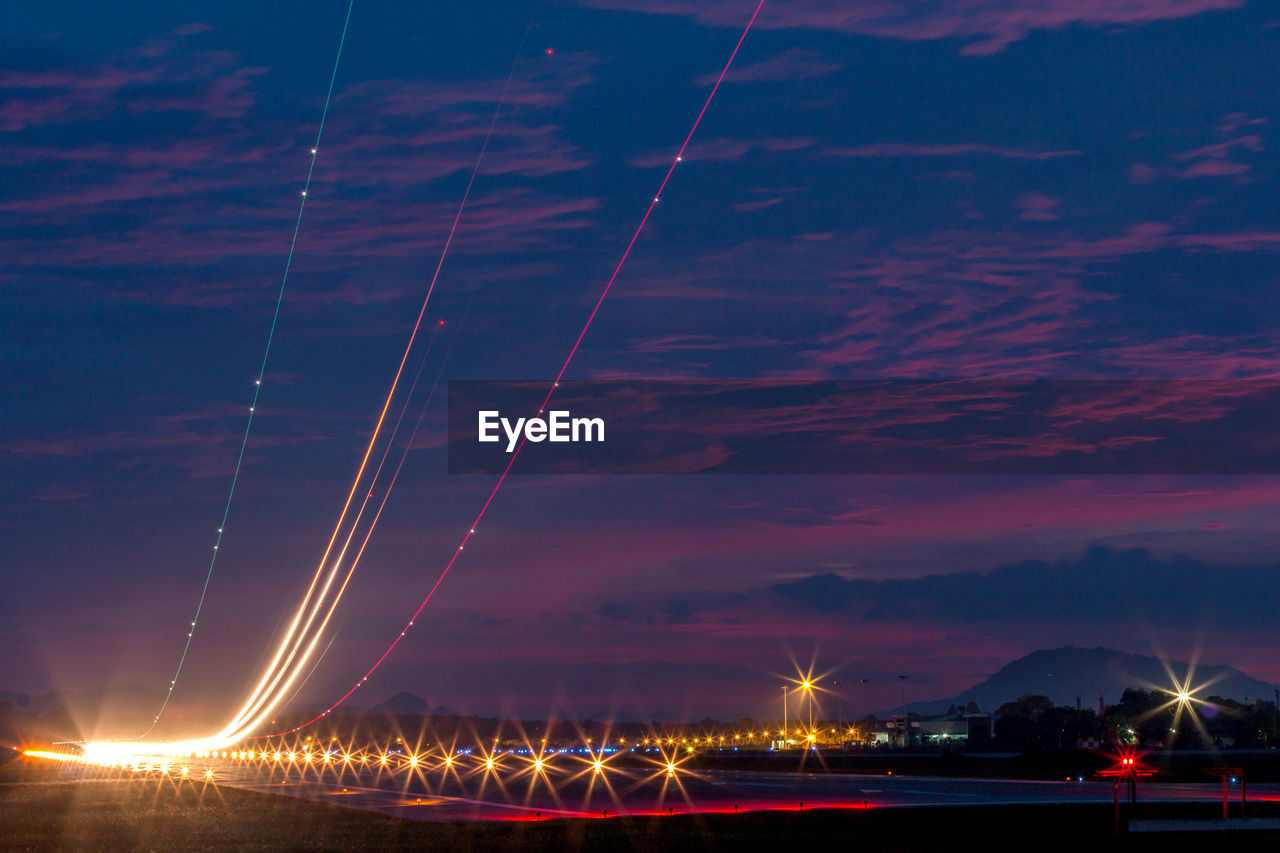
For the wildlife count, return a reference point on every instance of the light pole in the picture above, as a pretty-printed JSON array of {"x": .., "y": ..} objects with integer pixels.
[
  {"x": 863, "y": 682},
  {"x": 906, "y": 727},
  {"x": 784, "y": 716}
]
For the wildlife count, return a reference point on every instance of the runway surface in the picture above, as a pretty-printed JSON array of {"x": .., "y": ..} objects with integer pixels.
[{"x": 578, "y": 791}]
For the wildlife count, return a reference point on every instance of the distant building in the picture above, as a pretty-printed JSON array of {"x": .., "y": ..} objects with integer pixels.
[{"x": 957, "y": 729}]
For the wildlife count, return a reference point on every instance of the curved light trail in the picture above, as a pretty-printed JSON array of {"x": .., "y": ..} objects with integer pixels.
[
  {"x": 564, "y": 367},
  {"x": 257, "y": 384},
  {"x": 296, "y": 648}
]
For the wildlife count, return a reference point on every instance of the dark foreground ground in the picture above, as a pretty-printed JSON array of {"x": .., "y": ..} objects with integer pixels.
[{"x": 41, "y": 811}]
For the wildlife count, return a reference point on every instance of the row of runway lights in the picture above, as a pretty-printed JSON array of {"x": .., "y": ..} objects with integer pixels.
[
  {"x": 764, "y": 736},
  {"x": 537, "y": 762},
  {"x": 689, "y": 744}
]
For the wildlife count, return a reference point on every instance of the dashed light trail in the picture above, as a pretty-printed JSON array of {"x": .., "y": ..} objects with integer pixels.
[{"x": 257, "y": 384}]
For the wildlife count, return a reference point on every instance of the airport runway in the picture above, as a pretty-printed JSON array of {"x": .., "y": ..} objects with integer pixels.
[{"x": 441, "y": 794}]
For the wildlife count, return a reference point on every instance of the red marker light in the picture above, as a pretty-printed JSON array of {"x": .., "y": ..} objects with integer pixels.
[{"x": 550, "y": 51}]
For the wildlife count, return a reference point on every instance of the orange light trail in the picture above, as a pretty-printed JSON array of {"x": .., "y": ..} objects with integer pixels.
[
  {"x": 679, "y": 158},
  {"x": 304, "y": 634},
  {"x": 298, "y": 644}
]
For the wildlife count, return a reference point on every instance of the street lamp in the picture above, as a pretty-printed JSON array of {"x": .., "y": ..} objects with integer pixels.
[{"x": 807, "y": 685}]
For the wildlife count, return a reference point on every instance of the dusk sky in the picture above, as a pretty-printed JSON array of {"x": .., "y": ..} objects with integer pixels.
[{"x": 944, "y": 189}]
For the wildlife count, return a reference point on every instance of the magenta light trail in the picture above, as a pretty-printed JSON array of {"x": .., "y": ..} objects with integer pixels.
[{"x": 572, "y": 352}]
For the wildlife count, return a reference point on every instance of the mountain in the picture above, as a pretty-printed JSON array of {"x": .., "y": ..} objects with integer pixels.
[
  {"x": 1069, "y": 672},
  {"x": 406, "y": 704}
]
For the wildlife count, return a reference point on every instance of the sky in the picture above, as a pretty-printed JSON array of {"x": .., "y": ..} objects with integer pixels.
[{"x": 944, "y": 189}]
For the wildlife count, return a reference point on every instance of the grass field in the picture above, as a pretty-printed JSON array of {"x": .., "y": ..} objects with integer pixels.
[{"x": 40, "y": 811}]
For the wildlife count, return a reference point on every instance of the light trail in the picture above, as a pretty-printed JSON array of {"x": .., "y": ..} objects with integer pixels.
[
  {"x": 298, "y": 645},
  {"x": 51, "y": 756},
  {"x": 264, "y": 690},
  {"x": 564, "y": 367},
  {"x": 295, "y": 648},
  {"x": 257, "y": 384},
  {"x": 377, "y": 473}
]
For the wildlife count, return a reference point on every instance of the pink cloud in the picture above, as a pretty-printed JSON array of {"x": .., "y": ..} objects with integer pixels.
[
  {"x": 959, "y": 149},
  {"x": 987, "y": 26},
  {"x": 1037, "y": 207},
  {"x": 164, "y": 75},
  {"x": 722, "y": 150},
  {"x": 793, "y": 64},
  {"x": 1215, "y": 160},
  {"x": 760, "y": 204}
]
